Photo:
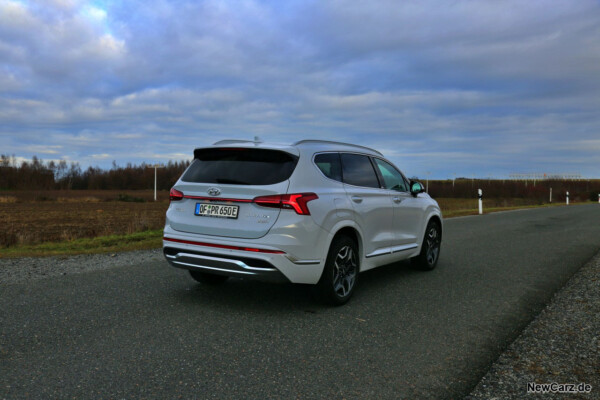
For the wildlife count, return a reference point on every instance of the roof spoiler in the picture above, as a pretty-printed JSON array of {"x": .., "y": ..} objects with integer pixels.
[{"x": 234, "y": 141}]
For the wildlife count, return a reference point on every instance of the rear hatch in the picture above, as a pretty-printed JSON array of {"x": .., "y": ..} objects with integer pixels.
[{"x": 219, "y": 188}]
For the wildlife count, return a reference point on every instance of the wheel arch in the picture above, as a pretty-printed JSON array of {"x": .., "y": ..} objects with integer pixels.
[
  {"x": 353, "y": 233},
  {"x": 436, "y": 218}
]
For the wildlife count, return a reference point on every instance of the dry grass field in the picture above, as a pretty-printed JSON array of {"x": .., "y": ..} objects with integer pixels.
[
  {"x": 51, "y": 222},
  {"x": 30, "y": 218},
  {"x": 452, "y": 207}
]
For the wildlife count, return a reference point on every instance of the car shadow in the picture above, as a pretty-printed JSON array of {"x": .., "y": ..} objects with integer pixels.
[{"x": 256, "y": 296}]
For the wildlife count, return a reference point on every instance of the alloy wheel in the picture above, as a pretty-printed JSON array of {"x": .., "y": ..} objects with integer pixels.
[
  {"x": 433, "y": 244},
  {"x": 344, "y": 271}
]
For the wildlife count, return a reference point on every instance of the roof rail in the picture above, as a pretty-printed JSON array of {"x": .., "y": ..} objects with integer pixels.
[{"x": 332, "y": 142}]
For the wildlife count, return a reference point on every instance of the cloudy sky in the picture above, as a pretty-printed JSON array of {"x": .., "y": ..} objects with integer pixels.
[{"x": 468, "y": 87}]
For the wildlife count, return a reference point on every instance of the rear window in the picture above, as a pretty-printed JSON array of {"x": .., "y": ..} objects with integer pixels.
[
  {"x": 330, "y": 165},
  {"x": 240, "y": 166},
  {"x": 358, "y": 171}
]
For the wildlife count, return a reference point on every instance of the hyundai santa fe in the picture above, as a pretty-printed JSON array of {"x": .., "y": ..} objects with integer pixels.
[{"x": 314, "y": 212}]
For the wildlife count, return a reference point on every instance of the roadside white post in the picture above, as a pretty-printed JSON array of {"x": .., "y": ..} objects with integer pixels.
[
  {"x": 550, "y": 195},
  {"x": 155, "y": 166},
  {"x": 567, "y": 198},
  {"x": 598, "y": 198},
  {"x": 480, "y": 196}
]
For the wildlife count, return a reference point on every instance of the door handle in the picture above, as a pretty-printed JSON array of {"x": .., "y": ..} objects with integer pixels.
[
  {"x": 357, "y": 199},
  {"x": 397, "y": 199}
]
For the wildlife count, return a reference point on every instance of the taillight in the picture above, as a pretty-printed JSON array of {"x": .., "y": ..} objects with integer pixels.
[
  {"x": 175, "y": 195},
  {"x": 297, "y": 201}
]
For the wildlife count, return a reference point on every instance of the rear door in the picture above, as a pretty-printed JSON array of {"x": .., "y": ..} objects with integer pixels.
[
  {"x": 219, "y": 187},
  {"x": 372, "y": 205}
]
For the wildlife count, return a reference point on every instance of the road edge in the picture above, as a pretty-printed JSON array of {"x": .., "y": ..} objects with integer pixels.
[{"x": 561, "y": 346}]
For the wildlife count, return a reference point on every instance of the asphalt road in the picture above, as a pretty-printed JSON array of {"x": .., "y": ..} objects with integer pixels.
[{"x": 149, "y": 331}]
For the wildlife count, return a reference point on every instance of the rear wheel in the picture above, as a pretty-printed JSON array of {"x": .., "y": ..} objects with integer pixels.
[
  {"x": 430, "y": 250},
  {"x": 341, "y": 272},
  {"x": 209, "y": 279}
]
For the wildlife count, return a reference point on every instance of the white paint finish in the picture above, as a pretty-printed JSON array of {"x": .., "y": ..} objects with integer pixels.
[
  {"x": 374, "y": 213},
  {"x": 389, "y": 224},
  {"x": 253, "y": 221}
]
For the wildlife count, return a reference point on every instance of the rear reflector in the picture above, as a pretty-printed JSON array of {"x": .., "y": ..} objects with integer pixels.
[
  {"x": 224, "y": 246},
  {"x": 297, "y": 201},
  {"x": 222, "y": 199}
]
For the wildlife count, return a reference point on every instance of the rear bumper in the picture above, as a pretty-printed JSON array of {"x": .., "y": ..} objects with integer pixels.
[
  {"x": 228, "y": 257},
  {"x": 241, "y": 267}
]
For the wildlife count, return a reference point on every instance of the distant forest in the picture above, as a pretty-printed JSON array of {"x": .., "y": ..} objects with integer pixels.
[{"x": 39, "y": 175}]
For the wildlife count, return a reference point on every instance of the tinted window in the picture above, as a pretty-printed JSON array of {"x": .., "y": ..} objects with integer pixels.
[
  {"x": 392, "y": 178},
  {"x": 358, "y": 171},
  {"x": 240, "y": 166},
  {"x": 330, "y": 165}
]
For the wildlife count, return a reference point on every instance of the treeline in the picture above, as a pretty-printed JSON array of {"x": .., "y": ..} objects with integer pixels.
[
  {"x": 39, "y": 175},
  {"x": 579, "y": 190}
]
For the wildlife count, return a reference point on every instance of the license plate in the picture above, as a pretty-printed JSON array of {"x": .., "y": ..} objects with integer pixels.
[{"x": 216, "y": 210}]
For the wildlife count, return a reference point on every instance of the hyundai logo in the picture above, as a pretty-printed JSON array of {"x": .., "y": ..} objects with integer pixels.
[{"x": 213, "y": 191}]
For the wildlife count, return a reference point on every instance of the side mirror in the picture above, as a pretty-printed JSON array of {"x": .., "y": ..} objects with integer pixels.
[{"x": 416, "y": 188}]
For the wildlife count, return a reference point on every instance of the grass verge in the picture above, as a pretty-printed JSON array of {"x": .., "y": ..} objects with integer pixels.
[
  {"x": 475, "y": 211},
  {"x": 102, "y": 244},
  {"x": 489, "y": 210}
]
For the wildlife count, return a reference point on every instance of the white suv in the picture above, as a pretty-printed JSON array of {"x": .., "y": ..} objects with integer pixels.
[{"x": 314, "y": 212}]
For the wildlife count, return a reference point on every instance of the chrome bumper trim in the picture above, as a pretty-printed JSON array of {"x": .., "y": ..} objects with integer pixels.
[
  {"x": 211, "y": 268},
  {"x": 223, "y": 265},
  {"x": 306, "y": 262},
  {"x": 207, "y": 260}
]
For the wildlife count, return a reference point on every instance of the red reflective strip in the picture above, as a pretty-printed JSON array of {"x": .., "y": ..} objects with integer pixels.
[
  {"x": 219, "y": 199},
  {"x": 223, "y": 246}
]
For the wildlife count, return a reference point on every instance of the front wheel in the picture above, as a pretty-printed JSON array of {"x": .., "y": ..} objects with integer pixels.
[
  {"x": 341, "y": 272},
  {"x": 430, "y": 250}
]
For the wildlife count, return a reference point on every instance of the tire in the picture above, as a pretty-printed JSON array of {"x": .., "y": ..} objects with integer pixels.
[
  {"x": 430, "y": 250},
  {"x": 341, "y": 271},
  {"x": 208, "y": 279}
]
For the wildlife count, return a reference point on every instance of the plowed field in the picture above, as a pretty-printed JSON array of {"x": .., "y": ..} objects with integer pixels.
[{"x": 27, "y": 218}]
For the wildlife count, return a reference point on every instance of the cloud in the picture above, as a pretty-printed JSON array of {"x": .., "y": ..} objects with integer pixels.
[
  {"x": 103, "y": 156},
  {"x": 57, "y": 46},
  {"x": 501, "y": 86},
  {"x": 37, "y": 149}
]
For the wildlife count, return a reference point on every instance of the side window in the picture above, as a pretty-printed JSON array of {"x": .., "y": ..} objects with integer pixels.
[
  {"x": 392, "y": 178},
  {"x": 358, "y": 171},
  {"x": 330, "y": 165}
]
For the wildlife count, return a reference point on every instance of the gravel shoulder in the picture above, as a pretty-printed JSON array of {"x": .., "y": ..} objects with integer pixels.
[
  {"x": 561, "y": 345},
  {"x": 25, "y": 269}
]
